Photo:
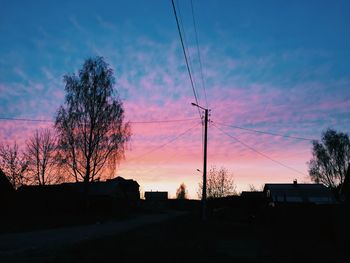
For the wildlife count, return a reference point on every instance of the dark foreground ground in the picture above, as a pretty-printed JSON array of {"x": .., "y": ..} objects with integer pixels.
[
  {"x": 187, "y": 239},
  {"x": 229, "y": 236}
]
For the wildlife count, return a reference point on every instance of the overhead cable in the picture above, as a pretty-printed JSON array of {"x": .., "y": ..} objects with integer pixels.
[
  {"x": 199, "y": 55},
  {"x": 185, "y": 55},
  {"x": 264, "y": 132},
  {"x": 258, "y": 152},
  {"x": 163, "y": 145},
  {"x": 133, "y": 122}
]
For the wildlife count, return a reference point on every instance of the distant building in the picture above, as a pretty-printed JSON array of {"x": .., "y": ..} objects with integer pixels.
[
  {"x": 156, "y": 196},
  {"x": 296, "y": 193},
  {"x": 119, "y": 188}
]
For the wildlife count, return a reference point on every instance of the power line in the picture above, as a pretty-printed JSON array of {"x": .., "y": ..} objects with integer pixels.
[
  {"x": 264, "y": 132},
  {"x": 133, "y": 122},
  {"x": 188, "y": 61},
  {"x": 185, "y": 55},
  {"x": 162, "y": 121},
  {"x": 163, "y": 145},
  {"x": 156, "y": 165},
  {"x": 23, "y": 119},
  {"x": 199, "y": 55},
  {"x": 186, "y": 47},
  {"x": 254, "y": 150}
]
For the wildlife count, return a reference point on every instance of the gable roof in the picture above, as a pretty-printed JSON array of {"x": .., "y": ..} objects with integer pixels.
[{"x": 294, "y": 186}]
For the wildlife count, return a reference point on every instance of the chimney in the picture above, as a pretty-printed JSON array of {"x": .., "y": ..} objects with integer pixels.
[{"x": 295, "y": 182}]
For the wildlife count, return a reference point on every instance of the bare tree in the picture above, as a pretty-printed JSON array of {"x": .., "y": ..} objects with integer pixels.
[
  {"x": 330, "y": 158},
  {"x": 90, "y": 125},
  {"x": 220, "y": 183},
  {"x": 41, "y": 158},
  {"x": 181, "y": 192},
  {"x": 13, "y": 164}
]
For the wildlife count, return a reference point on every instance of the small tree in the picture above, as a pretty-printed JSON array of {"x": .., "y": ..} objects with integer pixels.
[
  {"x": 13, "y": 164},
  {"x": 220, "y": 183},
  {"x": 181, "y": 192},
  {"x": 330, "y": 158},
  {"x": 41, "y": 158},
  {"x": 90, "y": 125}
]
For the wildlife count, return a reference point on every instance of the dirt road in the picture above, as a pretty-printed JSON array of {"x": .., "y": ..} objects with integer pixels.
[{"x": 55, "y": 239}]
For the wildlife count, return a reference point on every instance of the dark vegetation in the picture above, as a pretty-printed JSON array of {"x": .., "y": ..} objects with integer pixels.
[
  {"x": 331, "y": 159},
  {"x": 181, "y": 192}
]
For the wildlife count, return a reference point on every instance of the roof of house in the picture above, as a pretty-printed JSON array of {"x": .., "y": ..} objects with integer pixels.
[{"x": 294, "y": 186}]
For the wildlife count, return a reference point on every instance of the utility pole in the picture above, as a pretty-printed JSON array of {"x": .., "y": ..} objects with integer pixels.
[
  {"x": 204, "y": 190},
  {"x": 204, "y": 193}
]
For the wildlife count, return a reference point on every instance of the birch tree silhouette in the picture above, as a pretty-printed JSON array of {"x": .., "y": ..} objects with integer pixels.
[{"x": 92, "y": 134}]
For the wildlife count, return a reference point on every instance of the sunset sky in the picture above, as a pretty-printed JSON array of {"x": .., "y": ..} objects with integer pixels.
[{"x": 275, "y": 66}]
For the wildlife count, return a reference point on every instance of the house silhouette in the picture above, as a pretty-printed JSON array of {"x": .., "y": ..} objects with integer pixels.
[
  {"x": 106, "y": 196},
  {"x": 295, "y": 193}
]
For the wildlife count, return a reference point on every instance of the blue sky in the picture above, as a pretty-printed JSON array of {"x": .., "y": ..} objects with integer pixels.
[{"x": 278, "y": 66}]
